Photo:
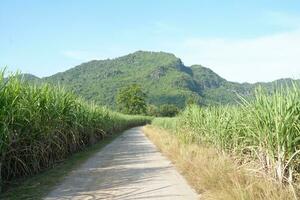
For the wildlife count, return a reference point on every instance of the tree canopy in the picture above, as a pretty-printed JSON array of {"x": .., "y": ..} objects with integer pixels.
[{"x": 132, "y": 100}]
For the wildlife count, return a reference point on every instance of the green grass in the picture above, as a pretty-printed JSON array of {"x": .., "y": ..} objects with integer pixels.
[
  {"x": 168, "y": 123},
  {"x": 39, "y": 185}
]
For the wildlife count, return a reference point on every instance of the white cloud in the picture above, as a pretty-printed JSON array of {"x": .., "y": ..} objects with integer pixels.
[{"x": 257, "y": 59}]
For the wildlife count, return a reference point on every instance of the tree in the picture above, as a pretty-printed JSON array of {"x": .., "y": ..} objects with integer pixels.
[
  {"x": 132, "y": 100},
  {"x": 152, "y": 110},
  {"x": 168, "y": 110},
  {"x": 165, "y": 110}
]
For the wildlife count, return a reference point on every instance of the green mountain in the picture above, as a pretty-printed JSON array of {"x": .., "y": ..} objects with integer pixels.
[
  {"x": 29, "y": 78},
  {"x": 162, "y": 75}
]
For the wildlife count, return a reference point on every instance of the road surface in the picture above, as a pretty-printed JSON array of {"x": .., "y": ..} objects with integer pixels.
[{"x": 128, "y": 168}]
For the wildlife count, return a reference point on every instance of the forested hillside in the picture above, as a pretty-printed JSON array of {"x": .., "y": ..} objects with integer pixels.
[{"x": 163, "y": 76}]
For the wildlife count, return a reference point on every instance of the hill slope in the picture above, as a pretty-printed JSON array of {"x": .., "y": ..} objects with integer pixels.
[{"x": 162, "y": 75}]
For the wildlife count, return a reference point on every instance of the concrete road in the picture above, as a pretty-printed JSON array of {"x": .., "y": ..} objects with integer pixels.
[{"x": 128, "y": 168}]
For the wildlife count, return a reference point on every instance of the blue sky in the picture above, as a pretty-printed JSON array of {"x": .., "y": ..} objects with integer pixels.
[{"x": 256, "y": 40}]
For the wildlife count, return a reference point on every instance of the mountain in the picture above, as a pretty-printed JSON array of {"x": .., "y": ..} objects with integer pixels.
[
  {"x": 29, "y": 77},
  {"x": 162, "y": 75}
]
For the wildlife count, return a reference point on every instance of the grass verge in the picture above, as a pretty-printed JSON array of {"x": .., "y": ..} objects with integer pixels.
[
  {"x": 216, "y": 175},
  {"x": 37, "y": 186}
]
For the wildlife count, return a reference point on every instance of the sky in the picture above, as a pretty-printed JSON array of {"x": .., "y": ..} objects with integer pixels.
[{"x": 243, "y": 41}]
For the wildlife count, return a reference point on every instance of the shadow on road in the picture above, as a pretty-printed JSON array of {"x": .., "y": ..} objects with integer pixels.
[{"x": 126, "y": 169}]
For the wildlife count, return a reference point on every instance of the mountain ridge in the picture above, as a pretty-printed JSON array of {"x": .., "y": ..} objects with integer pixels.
[{"x": 163, "y": 76}]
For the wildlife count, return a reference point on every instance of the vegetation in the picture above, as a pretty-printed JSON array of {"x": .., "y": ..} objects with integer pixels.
[
  {"x": 213, "y": 174},
  {"x": 266, "y": 128},
  {"x": 39, "y": 185},
  {"x": 132, "y": 100},
  {"x": 165, "y": 110},
  {"x": 164, "y": 77},
  {"x": 42, "y": 125}
]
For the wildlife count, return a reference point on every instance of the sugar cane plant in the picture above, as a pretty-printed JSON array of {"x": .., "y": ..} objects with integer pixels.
[
  {"x": 266, "y": 128},
  {"x": 42, "y": 125}
]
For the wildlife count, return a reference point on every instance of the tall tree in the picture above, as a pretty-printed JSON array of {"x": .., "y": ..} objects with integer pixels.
[{"x": 132, "y": 100}]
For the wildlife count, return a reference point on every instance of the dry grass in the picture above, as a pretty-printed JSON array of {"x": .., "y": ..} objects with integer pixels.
[{"x": 215, "y": 175}]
